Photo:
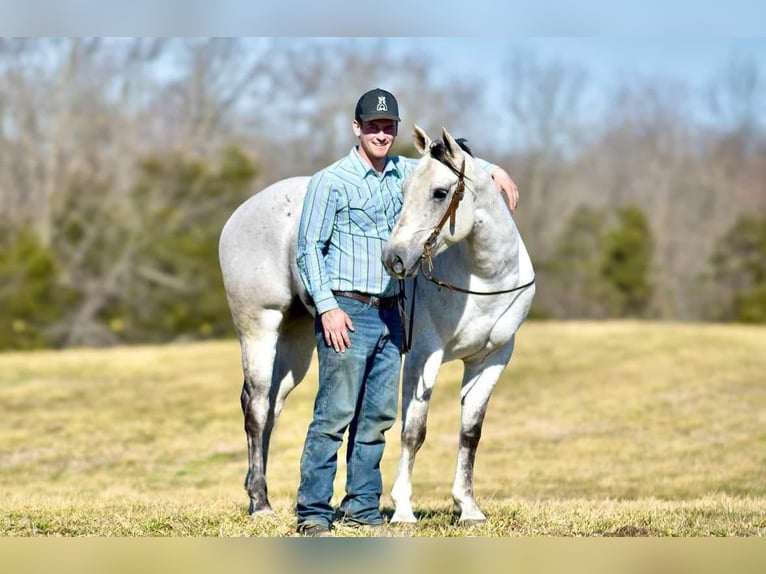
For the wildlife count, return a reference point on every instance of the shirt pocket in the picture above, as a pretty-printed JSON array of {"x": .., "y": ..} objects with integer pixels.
[
  {"x": 363, "y": 217},
  {"x": 395, "y": 207}
]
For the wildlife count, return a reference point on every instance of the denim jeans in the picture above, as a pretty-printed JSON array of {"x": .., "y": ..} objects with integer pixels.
[{"x": 358, "y": 390}]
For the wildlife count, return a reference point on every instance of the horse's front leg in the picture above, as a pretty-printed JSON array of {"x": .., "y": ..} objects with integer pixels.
[
  {"x": 479, "y": 380},
  {"x": 417, "y": 385}
]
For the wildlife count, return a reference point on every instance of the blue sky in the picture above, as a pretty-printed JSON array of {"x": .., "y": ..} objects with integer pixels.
[
  {"x": 693, "y": 60},
  {"x": 690, "y": 61},
  {"x": 498, "y": 18}
]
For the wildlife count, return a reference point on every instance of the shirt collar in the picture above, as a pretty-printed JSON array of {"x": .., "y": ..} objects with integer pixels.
[{"x": 365, "y": 169}]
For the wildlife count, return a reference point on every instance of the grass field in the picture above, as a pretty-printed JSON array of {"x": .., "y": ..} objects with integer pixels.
[{"x": 595, "y": 429}]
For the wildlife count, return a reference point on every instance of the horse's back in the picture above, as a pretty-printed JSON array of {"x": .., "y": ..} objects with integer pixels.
[{"x": 257, "y": 251}]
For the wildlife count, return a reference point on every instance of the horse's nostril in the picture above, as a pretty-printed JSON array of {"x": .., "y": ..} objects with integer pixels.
[{"x": 398, "y": 265}]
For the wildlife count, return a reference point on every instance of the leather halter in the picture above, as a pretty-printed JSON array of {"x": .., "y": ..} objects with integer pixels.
[
  {"x": 425, "y": 259},
  {"x": 457, "y": 197}
]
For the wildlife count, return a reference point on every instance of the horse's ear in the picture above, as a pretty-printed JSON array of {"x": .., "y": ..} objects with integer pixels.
[
  {"x": 453, "y": 149},
  {"x": 421, "y": 139}
]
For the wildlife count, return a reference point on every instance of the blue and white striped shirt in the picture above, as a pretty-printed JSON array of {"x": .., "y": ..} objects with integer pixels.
[{"x": 348, "y": 215}]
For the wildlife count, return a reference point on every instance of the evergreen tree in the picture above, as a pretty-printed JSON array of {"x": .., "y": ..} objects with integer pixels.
[
  {"x": 31, "y": 297},
  {"x": 626, "y": 261},
  {"x": 739, "y": 271}
]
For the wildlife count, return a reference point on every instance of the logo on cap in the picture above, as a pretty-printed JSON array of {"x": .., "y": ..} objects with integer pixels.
[{"x": 382, "y": 107}]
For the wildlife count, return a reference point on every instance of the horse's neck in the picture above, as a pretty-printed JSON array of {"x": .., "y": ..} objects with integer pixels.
[{"x": 493, "y": 244}]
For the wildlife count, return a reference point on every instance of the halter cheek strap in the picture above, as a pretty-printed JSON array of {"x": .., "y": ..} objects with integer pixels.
[{"x": 449, "y": 214}]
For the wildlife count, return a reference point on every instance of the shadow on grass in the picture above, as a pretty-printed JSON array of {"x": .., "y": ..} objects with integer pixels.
[{"x": 446, "y": 515}]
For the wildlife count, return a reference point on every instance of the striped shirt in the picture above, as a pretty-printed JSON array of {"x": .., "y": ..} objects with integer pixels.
[{"x": 348, "y": 215}]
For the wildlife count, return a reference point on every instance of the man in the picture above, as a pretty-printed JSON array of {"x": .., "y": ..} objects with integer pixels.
[{"x": 348, "y": 214}]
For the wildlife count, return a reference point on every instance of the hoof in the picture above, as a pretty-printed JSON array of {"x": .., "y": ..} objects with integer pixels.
[
  {"x": 470, "y": 515},
  {"x": 260, "y": 510},
  {"x": 403, "y": 518}
]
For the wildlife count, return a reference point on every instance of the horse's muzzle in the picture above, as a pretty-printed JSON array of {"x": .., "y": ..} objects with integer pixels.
[{"x": 397, "y": 266}]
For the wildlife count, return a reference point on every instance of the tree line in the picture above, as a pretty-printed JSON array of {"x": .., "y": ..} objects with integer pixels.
[{"x": 120, "y": 160}]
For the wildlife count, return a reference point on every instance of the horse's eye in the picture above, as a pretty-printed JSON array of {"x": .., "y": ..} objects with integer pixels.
[{"x": 440, "y": 193}]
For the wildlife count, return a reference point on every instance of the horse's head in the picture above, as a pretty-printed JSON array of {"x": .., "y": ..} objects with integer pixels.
[{"x": 436, "y": 212}]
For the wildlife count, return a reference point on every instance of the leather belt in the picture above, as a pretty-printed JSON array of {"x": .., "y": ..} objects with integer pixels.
[{"x": 372, "y": 300}]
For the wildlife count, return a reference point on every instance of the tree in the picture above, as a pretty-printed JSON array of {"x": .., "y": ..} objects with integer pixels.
[
  {"x": 739, "y": 272},
  {"x": 172, "y": 286},
  {"x": 544, "y": 101},
  {"x": 599, "y": 269},
  {"x": 305, "y": 122},
  {"x": 737, "y": 97},
  {"x": 570, "y": 282},
  {"x": 31, "y": 296},
  {"x": 626, "y": 262}
]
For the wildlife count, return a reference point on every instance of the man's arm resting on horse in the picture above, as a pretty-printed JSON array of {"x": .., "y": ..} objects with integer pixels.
[{"x": 505, "y": 185}]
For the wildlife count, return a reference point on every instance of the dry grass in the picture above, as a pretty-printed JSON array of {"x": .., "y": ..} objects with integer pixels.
[{"x": 596, "y": 429}]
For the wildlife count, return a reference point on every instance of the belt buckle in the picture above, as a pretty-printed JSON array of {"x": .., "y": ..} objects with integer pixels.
[{"x": 374, "y": 301}]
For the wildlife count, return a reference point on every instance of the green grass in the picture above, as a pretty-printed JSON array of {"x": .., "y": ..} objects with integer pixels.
[{"x": 595, "y": 429}]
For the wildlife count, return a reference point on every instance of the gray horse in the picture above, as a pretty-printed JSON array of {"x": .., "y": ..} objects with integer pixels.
[{"x": 274, "y": 316}]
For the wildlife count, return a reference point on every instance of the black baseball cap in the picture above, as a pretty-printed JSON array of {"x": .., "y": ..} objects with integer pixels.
[{"x": 377, "y": 104}]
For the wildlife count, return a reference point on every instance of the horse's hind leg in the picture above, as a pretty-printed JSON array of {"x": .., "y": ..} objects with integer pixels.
[
  {"x": 479, "y": 380},
  {"x": 275, "y": 358},
  {"x": 259, "y": 349},
  {"x": 294, "y": 351}
]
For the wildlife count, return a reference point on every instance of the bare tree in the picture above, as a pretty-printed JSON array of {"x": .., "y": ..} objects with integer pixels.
[
  {"x": 306, "y": 120},
  {"x": 78, "y": 117},
  {"x": 737, "y": 97},
  {"x": 543, "y": 100},
  {"x": 83, "y": 119}
]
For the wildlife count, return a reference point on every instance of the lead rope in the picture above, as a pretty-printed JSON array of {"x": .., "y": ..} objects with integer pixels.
[
  {"x": 453, "y": 288},
  {"x": 408, "y": 322}
]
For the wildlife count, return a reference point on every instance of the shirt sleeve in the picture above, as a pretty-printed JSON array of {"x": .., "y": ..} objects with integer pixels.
[
  {"x": 407, "y": 165},
  {"x": 314, "y": 231},
  {"x": 485, "y": 165}
]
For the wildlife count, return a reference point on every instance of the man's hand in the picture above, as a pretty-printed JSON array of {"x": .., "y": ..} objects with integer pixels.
[
  {"x": 507, "y": 187},
  {"x": 336, "y": 324}
]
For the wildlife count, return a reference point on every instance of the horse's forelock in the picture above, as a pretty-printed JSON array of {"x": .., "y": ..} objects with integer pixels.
[
  {"x": 439, "y": 152},
  {"x": 439, "y": 149}
]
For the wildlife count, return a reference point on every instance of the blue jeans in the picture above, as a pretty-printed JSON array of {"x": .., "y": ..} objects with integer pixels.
[{"x": 358, "y": 390}]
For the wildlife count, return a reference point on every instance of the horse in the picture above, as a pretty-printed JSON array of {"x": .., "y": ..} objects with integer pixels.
[
  {"x": 473, "y": 318},
  {"x": 273, "y": 313}
]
